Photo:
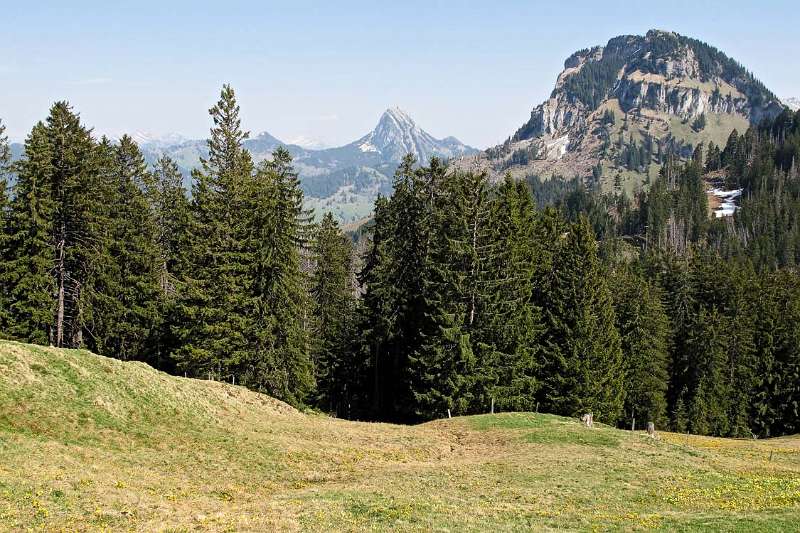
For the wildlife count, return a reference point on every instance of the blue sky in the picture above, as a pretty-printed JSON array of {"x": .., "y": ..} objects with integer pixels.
[{"x": 328, "y": 69}]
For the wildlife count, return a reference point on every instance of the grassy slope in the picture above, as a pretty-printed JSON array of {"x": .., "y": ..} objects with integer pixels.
[{"x": 88, "y": 442}]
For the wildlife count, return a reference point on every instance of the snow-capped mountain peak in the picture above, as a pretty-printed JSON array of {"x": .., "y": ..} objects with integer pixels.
[
  {"x": 792, "y": 103},
  {"x": 143, "y": 138},
  {"x": 307, "y": 142}
]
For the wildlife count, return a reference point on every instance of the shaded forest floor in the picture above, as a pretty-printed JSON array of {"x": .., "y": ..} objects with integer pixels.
[{"x": 92, "y": 443}]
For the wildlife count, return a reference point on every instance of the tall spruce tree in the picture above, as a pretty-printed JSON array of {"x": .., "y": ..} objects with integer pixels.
[
  {"x": 776, "y": 405},
  {"x": 581, "y": 359},
  {"x": 57, "y": 231},
  {"x": 130, "y": 289},
  {"x": 279, "y": 318},
  {"x": 30, "y": 257},
  {"x": 334, "y": 308},
  {"x": 213, "y": 327},
  {"x": 442, "y": 368},
  {"x": 79, "y": 223},
  {"x": 645, "y": 333},
  {"x": 707, "y": 394},
  {"x": 172, "y": 213},
  {"x": 375, "y": 317},
  {"x": 507, "y": 335},
  {"x": 394, "y": 280},
  {"x": 5, "y": 164},
  {"x": 171, "y": 209}
]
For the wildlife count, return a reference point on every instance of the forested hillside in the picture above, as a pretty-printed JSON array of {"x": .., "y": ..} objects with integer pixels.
[{"x": 460, "y": 294}]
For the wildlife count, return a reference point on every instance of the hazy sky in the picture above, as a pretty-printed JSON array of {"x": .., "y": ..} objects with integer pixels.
[{"x": 328, "y": 69}]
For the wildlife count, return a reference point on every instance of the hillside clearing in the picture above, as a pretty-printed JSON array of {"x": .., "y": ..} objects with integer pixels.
[{"x": 91, "y": 443}]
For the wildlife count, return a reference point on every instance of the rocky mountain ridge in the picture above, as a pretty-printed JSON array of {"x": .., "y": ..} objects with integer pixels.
[{"x": 661, "y": 93}]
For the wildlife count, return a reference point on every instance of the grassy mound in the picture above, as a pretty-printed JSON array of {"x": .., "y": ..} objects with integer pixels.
[{"x": 91, "y": 443}]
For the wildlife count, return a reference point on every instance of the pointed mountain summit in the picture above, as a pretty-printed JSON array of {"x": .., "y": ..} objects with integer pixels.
[{"x": 397, "y": 135}]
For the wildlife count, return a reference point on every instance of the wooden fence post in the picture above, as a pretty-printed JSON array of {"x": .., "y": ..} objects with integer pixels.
[{"x": 492, "y": 406}]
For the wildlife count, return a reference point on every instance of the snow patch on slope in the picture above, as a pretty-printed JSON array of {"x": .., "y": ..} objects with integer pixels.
[{"x": 728, "y": 206}]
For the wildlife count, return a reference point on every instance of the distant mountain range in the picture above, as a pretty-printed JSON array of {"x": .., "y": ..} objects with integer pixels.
[
  {"x": 617, "y": 110},
  {"x": 792, "y": 103},
  {"x": 344, "y": 180}
]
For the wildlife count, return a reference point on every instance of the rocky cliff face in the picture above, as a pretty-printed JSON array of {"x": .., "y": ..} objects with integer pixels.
[{"x": 635, "y": 90}]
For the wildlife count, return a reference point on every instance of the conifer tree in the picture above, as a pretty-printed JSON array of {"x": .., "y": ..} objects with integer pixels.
[
  {"x": 57, "y": 232},
  {"x": 279, "y": 319},
  {"x": 776, "y": 402},
  {"x": 442, "y": 369},
  {"x": 375, "y": 318},
  {"x": 334, "y": 307},
  {"x": 510, "y": 324},
  {"x": 172, "y": 215},
  {"x": 644, "y": 331},
  {"x": 78, "y": 224},
  {"x": 5, "y": 163},
  {"x": 394, "y": 280},
  {"x": 30, "y": 257},
  {"x": 708, "y": 393},
  {"x": 213, "y": 327},
  {"x": 581, "y": 358},
  {"x": 130, "y": 290}
]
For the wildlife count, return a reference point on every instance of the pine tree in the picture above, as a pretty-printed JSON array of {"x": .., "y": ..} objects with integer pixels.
[
  {"x": 172, "y": 215},
  {"x": 510, "y": 323},
  {"x": 5, "y": 163},
  {"x": 334, "y": 307},
  {"x": 27, "y": 273},
  {"x": 581, "y": 359},
  {"x": 213, "y": 327},
  {"x": 644, "y": 331},
  {"x": 442, "y": 369},
  {"x": 130, "y": 283},
  {"x": 277, "y": 359}
]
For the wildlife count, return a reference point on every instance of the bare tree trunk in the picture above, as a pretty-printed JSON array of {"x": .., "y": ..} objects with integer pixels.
[
  {"x": 474, "y": 268},
  {"x": 60, "y": 274}
]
